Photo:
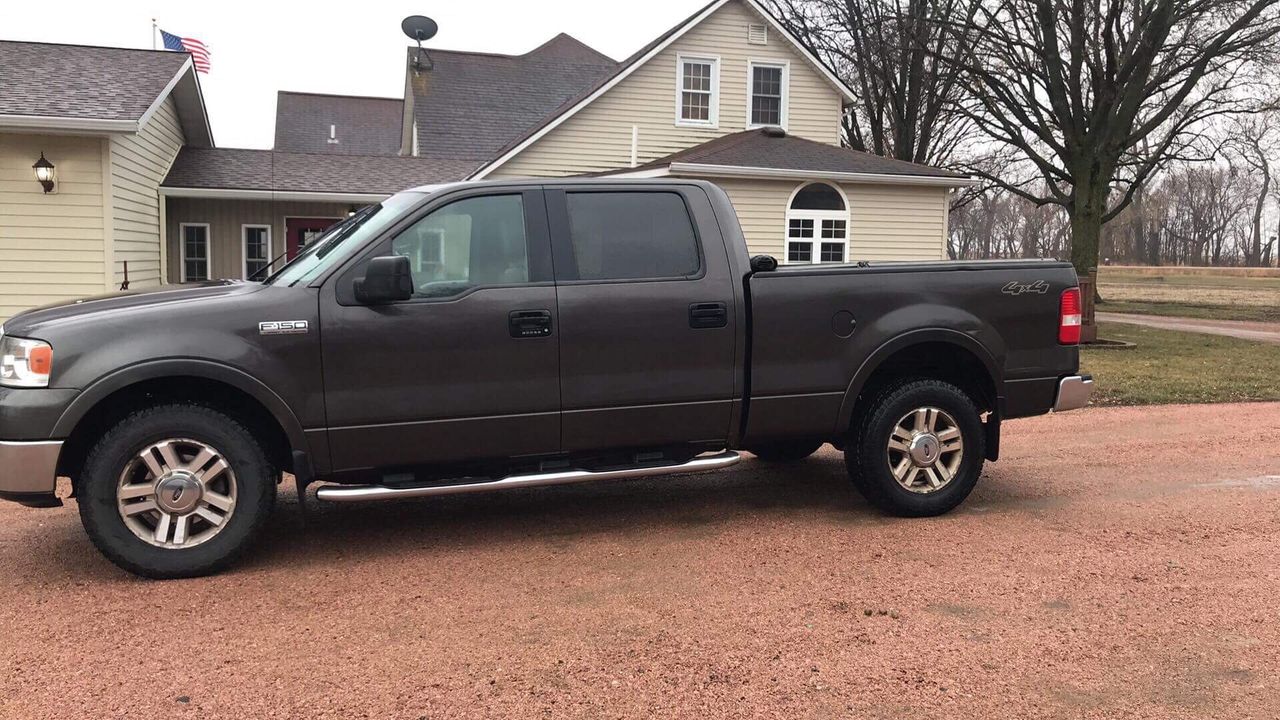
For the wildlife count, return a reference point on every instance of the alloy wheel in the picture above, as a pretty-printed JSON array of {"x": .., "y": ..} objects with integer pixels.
[
  {"x": 176, "y": 493},
  {"x": 925, "y": 450}
]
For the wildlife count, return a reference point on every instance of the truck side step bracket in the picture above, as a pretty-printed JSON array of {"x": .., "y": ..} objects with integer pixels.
[{"x": 354, "y": 493}]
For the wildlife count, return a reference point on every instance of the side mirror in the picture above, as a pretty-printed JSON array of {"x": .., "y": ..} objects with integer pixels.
[
  {"x": 764, "y": 263},
  {"x": 386, "y": 279}
]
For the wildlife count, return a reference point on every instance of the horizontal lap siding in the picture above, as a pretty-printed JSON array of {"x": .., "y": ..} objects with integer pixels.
[
  {"x": 138, "y": 165},
  {"x": 225, "y": 218},
  {"x": 886, "y": 222},
  {"x": 50, "y": 244},
  {"x": 599, "y": 136}
]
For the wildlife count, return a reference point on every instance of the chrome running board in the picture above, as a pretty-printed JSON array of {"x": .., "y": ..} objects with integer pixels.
[{"x": 355, "y": 493}]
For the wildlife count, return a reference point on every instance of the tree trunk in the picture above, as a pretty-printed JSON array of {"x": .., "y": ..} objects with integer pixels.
[{"x": 1086, "y": 229}]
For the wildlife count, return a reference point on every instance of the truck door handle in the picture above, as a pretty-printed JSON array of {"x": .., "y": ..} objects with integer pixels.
[
  {"x": 708, "y": 315},
  {"x": 529, "y": 323}
]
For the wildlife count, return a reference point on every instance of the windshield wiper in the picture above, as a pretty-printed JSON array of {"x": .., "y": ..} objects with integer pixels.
[{"x": 264, "y": 268}]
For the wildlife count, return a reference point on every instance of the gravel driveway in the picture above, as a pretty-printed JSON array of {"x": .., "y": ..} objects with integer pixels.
[{"x": 1117, "y": 562}]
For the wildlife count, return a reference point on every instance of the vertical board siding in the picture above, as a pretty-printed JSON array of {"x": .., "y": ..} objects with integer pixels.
[
  {"x": 50, "y": 244},
  {"x": 225, "y": 218},
  {"x": 599, "y": 137},
  {"x": 886, "y": 222},
  {"x": 138, "y": 164}
]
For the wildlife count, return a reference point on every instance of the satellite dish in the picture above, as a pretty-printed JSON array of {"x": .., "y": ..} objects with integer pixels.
[{"x": 419, "y": 27}]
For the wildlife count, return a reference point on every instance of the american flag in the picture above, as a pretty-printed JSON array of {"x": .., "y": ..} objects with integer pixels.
[{"x": 199, "y": 53}]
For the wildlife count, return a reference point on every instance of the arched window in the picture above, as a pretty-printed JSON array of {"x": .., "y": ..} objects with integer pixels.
[{"x": 817, "y": 225}]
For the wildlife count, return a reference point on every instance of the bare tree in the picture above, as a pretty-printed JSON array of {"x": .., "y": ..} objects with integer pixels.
[
  {"x": 890, "y": 53},
  {"x": 1097, "y": 95},
  {"x": 1252, "y": 143}
]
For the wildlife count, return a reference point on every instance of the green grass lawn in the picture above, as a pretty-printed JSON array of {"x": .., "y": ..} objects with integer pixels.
[
  {"x": 1207, "y": 311},
  {"x": 1223, "y": 296},
  {"x": 1177, "y": 367}
]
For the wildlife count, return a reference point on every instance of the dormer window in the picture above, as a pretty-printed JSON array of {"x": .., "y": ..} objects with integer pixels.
[
  {"x": 768, "y": 89},
  {"x": 697, "y": 91}
]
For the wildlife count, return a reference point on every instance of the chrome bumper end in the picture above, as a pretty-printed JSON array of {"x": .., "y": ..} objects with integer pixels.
[
  {"x": 1073, "y": 392},
  {"x": 28, "y": 472}
]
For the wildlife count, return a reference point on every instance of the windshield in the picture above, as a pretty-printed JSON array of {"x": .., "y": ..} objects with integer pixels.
[{"x": 341, "y": 240}]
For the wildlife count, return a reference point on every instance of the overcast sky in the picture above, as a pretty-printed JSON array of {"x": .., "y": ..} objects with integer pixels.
[{"x": 345, "y": 48}]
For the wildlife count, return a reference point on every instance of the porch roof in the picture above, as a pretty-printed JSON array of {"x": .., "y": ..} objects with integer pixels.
[
  {"x": 231, "y": 172},
  {"x": 771, "y": 153}
]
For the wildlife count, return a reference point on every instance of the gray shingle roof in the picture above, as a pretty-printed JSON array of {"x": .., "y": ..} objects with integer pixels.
[
  {"x": 77, "y": 81},
  {"x": 363, "y": 125},
  {"x": 470, "y": 105},
  {"x": 229, "y": 168},
  {"x": 764, "y": 149}
]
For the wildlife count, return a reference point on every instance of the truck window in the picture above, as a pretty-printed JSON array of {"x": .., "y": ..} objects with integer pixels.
[
  {"x": 631, "y": 235},
  {"x": 475, "y": 241}
]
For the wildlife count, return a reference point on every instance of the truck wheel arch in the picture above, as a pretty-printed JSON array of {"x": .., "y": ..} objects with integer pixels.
[
  {"x": 877, "y": 360},
  {"x": 92, "y": 398}
]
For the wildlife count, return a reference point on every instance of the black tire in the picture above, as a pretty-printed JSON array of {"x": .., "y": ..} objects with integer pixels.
[
  {"x": 254, "y": 480},
  {"x": 786, "y": 451},
  {"x": 867, "y": 456}
]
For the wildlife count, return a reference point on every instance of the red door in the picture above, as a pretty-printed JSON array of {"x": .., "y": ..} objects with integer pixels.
[{"x": 301, "y": 231}]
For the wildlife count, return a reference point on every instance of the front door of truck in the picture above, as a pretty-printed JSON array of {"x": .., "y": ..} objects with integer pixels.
[
  {"x": 466, "y": 369},
  {"x": 647, "y": 317}
]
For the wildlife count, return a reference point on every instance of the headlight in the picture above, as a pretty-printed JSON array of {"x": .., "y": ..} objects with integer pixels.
[{"x": 25, "y": 363}]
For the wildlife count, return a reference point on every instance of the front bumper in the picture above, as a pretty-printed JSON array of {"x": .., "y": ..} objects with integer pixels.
[
  {"x": 1073, "y": 392},
  {"x": 28, "y": 471}
]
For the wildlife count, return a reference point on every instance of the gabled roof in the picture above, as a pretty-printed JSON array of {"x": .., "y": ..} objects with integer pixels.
[
  {"x": 96, "y": 89},
  {"x": 255, "y": 173},
  {"x": 470, "y": 104},
  {"x": 623, "y": 69},
  {"x": 769, "y": 153},
  {"x": 362, "y": 125}
]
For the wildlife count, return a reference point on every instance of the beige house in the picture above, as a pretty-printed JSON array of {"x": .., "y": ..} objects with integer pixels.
[
  {"x": 727, "y": 95},
  {"x": 111, "y": 136}
]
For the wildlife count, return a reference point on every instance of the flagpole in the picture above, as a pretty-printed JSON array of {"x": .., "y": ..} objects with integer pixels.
[{"x": 153, "y": 33}]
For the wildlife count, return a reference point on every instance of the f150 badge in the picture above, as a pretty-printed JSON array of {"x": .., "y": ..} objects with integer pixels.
[
  {"x": 1016, "y": 288},
  {"x": 283, "y": 327}
]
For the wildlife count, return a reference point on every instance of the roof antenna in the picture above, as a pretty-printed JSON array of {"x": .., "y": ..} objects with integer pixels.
[{"x": 419, "y": 28}]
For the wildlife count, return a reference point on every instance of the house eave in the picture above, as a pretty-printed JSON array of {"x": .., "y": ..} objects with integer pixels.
[
  {"x": 763, "y": 173},
  {"x": 51, "y": 123},
  {"x": 277, "y": 195}
]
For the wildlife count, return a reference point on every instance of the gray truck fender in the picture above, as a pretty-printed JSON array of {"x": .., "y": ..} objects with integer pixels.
[
  {"x": 182, "y": 367},
  {"x": 905, "y": 340}
]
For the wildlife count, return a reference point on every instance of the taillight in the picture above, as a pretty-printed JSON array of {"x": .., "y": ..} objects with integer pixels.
[{"x": 1069, "y": 317}]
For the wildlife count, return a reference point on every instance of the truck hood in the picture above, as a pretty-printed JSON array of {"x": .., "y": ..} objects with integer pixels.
[{"x": 32, "y": 322}]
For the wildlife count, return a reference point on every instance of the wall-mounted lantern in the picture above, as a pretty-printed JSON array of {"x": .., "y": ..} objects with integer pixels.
[
  {"x": 351, "y": 211},
  {"x": 44, "y": 173}
]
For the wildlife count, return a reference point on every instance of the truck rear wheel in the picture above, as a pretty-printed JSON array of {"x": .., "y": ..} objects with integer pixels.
[
  {"x": 785, "y": 451},
  {"x": 175, "y": 491},
  {"x": 919, "y": 449}
]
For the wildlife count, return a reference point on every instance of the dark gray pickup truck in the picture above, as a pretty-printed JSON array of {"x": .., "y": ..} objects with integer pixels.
[{"x": 484, "y": 336}]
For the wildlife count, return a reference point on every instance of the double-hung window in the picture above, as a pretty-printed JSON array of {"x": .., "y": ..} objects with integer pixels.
[
  {"x": 195, "y": 251},
  {"x": 257, "y": 249},
  {"x": 767, "y": 90},
  {"x": 697, "y": 91}
]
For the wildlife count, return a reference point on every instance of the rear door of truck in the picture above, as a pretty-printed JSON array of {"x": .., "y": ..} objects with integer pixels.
[{"x": 647, "y": 316}]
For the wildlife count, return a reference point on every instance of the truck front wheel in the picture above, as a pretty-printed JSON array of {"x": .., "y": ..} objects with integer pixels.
[
  {"x": 918, "y": 450},
  {"x": 175, "y": 491}
]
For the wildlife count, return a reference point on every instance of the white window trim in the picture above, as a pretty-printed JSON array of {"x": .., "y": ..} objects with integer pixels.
[
  {"x": 244, "y": 247},
  {"x": 182, "y": 250},
  {"x": 713, "y": 113},
  {"x": 815, "y": 250},
  {"x": 752, "y": 64}
]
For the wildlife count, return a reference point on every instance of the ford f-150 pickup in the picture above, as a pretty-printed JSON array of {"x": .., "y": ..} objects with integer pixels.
[{"x": 481, "y": 336}]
